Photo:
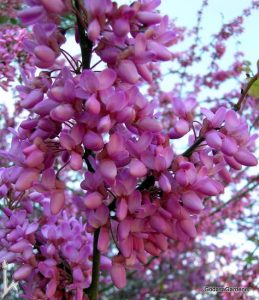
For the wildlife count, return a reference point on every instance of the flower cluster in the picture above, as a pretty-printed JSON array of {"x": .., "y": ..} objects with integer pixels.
[
  {"x": 136, "y": 191},
  {"x": 8, "y": 8},
  {"x": 12, "y": 54},
  {"x": 51, "y": 255},
  {"x": 232, "y": 139}
]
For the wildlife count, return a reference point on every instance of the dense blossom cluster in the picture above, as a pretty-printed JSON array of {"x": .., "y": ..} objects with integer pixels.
[
  {"x": 52, "y": 254},
  {"x": 185, "y": 268},
  {"x": 12, "y": 54},
  {"x": 136, "y": 191},
  {"x": 9, "y": 8}
]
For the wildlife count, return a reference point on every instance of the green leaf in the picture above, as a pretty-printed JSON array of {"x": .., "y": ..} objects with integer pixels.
[
  {"x": 3, "y": 19},
  {"x": 254, "y": 89},
  {"x": 14, "y": 21},
  {"x": 6, "y": 20},
  {"x": 249, "y": 259}
]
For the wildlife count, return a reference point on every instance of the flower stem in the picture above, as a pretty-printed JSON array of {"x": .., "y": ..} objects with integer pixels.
[{"x": 190, "y": 150}]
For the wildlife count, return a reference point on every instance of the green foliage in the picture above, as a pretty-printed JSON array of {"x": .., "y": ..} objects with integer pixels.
[
  {"x": 7, "y": 20},
  {"x": 250, "y": 258},
  {"x": 254, "y": 89}
]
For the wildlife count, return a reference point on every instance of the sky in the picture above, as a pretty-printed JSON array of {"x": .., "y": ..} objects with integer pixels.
[
  {"x": 214, "y": 16},
  {"x": 216, "y": 12}
]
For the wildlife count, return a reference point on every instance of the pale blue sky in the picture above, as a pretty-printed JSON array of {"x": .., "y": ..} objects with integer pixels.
[{"x": 185, "y": 12}]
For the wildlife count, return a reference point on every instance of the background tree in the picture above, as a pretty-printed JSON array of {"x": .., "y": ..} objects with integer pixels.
[{"x": 93, "y": 183}]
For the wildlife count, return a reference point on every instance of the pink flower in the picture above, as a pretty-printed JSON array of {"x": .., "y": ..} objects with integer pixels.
[
  {"x": 45, "y": 55},
  {"x": 57, "y": 201},
  {"x": 128, "y": 71},
  {"x": 103, "y": 240},
  {"x": 213, "y": 139},
  {"x": 26, "y": 179},
  {"x": 93, "y": 141},
  {"x": 137, "y": 168},
  {"x": 192, "y": 201},
  {"x": 30, "y": 15},
  {"x": 246, "y": 158},
  {"x": 188, "y": 227},
  {"x": 118, "y": 275},
  {"x": 181, "y": 127},
  {"x": 22, "y": 272},
  {"x": 108, "y": 169},
  {"x": 62, "y": 113},
  {"x": 93, "y": 200},
  {"x": 148, "y": 18},
  {"x": 215, "y": 119},
  {"x": 53, "y": 7}
]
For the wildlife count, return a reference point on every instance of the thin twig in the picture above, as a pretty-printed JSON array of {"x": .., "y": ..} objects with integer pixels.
[
  {"x": 96, "y": 64},
  {"x": 68, "y": 60},
  {"x": 68, "y": 55},
  {"x": 237, "y": 196},
  {"x": 245, "y": 92}
]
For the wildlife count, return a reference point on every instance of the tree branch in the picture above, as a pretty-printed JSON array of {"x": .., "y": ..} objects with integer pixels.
[
  {"x": 86, "y": 52},
  {"x": 147, "y": 183},
  {"x": 85, "y": 44},
  {"x": 92, "y": 291},
  {"x": 239, "y": 195},
  {"x": 87, "y": 153}
]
